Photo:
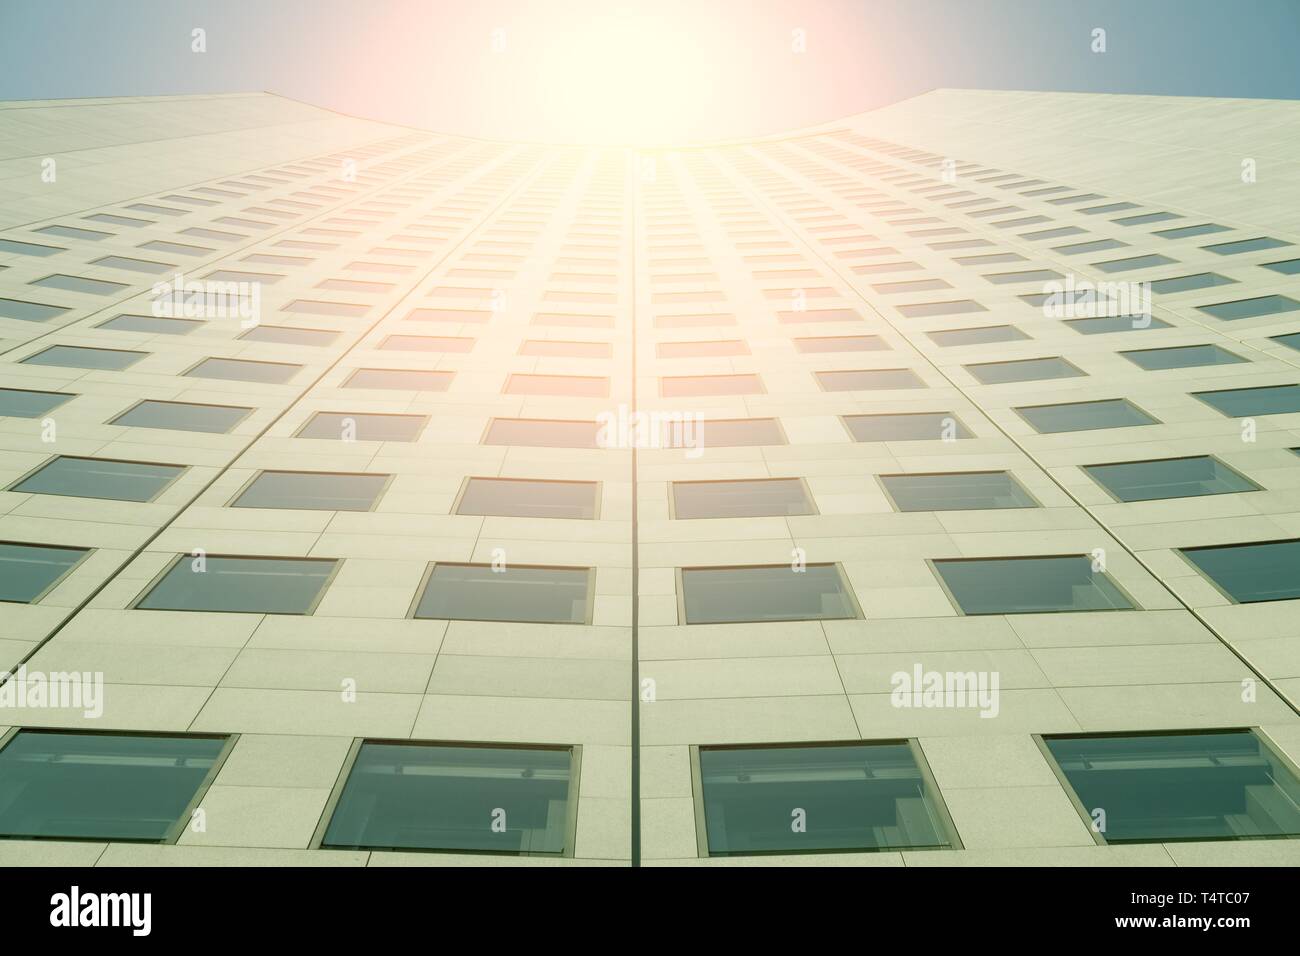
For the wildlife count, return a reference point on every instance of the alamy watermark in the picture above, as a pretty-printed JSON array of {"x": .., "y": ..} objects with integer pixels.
[
  {"x": 66, "y": 690},
  {"x": 947, "y": 689},
  {"x": 1083, "y": 299},
  {"x": 204, "y": 299},
  {"x": 628, "y": 429}
]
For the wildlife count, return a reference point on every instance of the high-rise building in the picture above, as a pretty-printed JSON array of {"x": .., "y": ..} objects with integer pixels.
[{"x": 920, "y": 488}]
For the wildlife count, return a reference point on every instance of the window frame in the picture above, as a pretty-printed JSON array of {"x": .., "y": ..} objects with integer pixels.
[
  {"x": 67, "y": 573},
  {"x": 259, "y": 472},
  {"x": 932, "y": 564},
  {"x": 588, "y": 613},
  {"x": 845, "y": 584},
  {"x": 464, "y": 489},
  {"x": 803, "y": 484},
  {"x": 884, "y": 487},
  {"x": 176, "y": 559},
  {"x": 13, "y": 487}
]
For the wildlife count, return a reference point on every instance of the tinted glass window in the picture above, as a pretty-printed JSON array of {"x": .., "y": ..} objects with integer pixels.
[
  {"x": 911, "y": 426},
  {"x": 1169, "y": 478},
  {"x": 416, "y": 796},
  {"x": 978, "y": 336},
  {"x": 1251, "y": 573},
  {"x": 1084, "y": 416},
  {"x": 1250, "y": 308},
  {"x": 956, "y": 492},
  {"x": 865, "y": 379},
  {"x": 360, "y": 426},
  {"x": 150, "y": 324},
  {"x": 740, "y": 499},
  {"x": 773, "y": 593},
  {"x": 100, "y": 478},
  {"x": 72, "y": 356},
  {"x": 1029, "y": 585},
  {"x": 519, "y": 498},
  {"x": 183, "y": 416},
  {"x": 475, "y": 592},
  {"x": 1186, "y": 356},
  {"x": 1028, "y": 370},
  {"x": 542, "y": 433},
  {"x": 1242, "y": 402},
  {"x": 27, "y": 571},
  {"x": 312, "y": 491},
  {"x": 28, "y": 311},
  {"x": 253, "y": 585},
  {"x": 20, "y": 403},
  {"x": 238, "y": 370}
]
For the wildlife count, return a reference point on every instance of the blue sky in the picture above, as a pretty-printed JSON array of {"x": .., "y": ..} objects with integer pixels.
[{"x": 718, "y": 68}]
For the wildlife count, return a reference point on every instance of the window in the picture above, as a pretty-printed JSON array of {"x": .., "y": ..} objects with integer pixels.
[
  {"x": 552, "y": 347},
  {"x": 1251, "y": 573},
  {"x": 121, "y": 787},
  {"x": 866, "y": 379},
  {"x": 1168, "y": 478},
  {"x": 72, "y": 232},
  {"x": 28, "y": 248},
  {"x": 183, "y": 416},
  {"x": 1244, "y": 245},
  {"x": 418, "y": 796},
  {"x": 906, "y": 426},
  {"x": 363, "y": 426},
  {"x": 573, "y": 386},
  {"x": 242, "y": 370},
  {"x": 741, "y": 499},
  {"x": 1202, "y": 280},
  {"x": 1029, "y": 585},
  {"x": 134, "y": 265},
  {"x": 1084, "y": 416},
  {"x": 75, "y": 356},
  {"x": 28, "y": 311},
  {"x": 692, "y": 321},
  {"x": 1096, "y": 245},
  {"x": 478, "y": 592},
  {"x": 1024, "y": 370},
  {"x": 1250, "y": 308},
  {"x": 1291, "y": 340},
  {"x": 150, "y": 325},
  {"x": 248, "y": 585},
  {"x": 100, "y": 478},
  {"x": 312, "y": 491},
  {"x": 724, "y": 433},
  {"x": 1248, "y": 402},
  {"x": 981, "y": 335},
  {"x": 702, "y": 349},
  {"x": 1185, "y": 356},
  {"x": 765, "y": 593},
  {"x": 842, "y": 343},
  {"x": 1136, "y": 262},
  {"x": 1146, "y": 218},
  {"x": 577, "y": 321},
  {"x": 1029, "y": 275},
  {"x": 28, "y": 571},
  {"x": 855, "y": 797},
  {"x": 920, "y": 310},
  {"x": 399, "y": 378},
  {"x": 426, "y": 343},
  {"x": 176, "y": 248},
  {"x": 961, "y": 491},
  {"x": 448, "y": 315},
  {"x": 288, "y": 335},
  {"x": 1116, "y": 323},
  {"x": 690, "y": 385},
  {"x": 1162, "y": 787},
  {"x": 919, "y": 285},
  {"x": 819, "y": 315},
  {"x": 541, "y": 433},
  {"x": 312, "y": 307},
  {"x": 1288, "y": 267},
  {"x": 78, "y": 284},
  {"x": 1186, "y": 232},
  {"x": 523, "y": 498},
  {"x": 21, "y": 403}
]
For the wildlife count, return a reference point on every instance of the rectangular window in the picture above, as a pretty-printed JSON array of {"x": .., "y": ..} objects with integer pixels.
[
  {"x": 559, "y": 349},
  {"x": 79, "y": 284},
  {"x": 981, "y": 335},
  {"x": 859, "y": 797},
  {"x": 312, "y": 491},
  {"x": 1244, "y": 245},
  {"x": 288, "y": 335},
  {"x": 1029, "y": 585},
  {"x": 1291, "y": 340},
  {"x": 1184, "y": 356},
  {"x": 100, "y": 478},
  {"x": 1251, "y": 573},
  {"x": 523, "y": 593},
  {"x": 1084, "y": 416},
  {"x": 76, "y": 356},
  {"x": 134, "y": 265},
  {"x": 28, "y": 571},
  {"x": 868, "y": 379},
  {"x": 1030, "y": 275},
  {"x": 1136, "y": 262},
  {"x": 920, "y": 310},
  {"x": 150, "y": 325},
  {"x": 1158, "y": 788},
  {"x": 413, "y": 380},
  {"x": 1250, "y": 308},
  {"x": 28, "y": 248},
  {"x": 1168, "y": 478},
  {"x": 363, "y": 426},
  {"x": 1287, "y": 267},
  {"x": 685, "y": 386},
  {"x": 240, "y": 585},
  {"x": 427, "y": 343},
  {"x": 182, "y": 416},
  {"x": 572, "y": 386},
  {"x": 906, "y": 426},
  {"x": 522, "y": 498},
  {"x": 958, "y": 491},
  {"x": 1024, "y": 370},
  {"x": 21, "y": 403},
  {"x": 242, "y": 370},
  {"x": 1249, "y": 402},
  {"x": 110, "y": 786},
  {"x": 742, "y": 595},
  {"x": 819, "y": 315},
  {"x": 841, "y": 343},
  {"x": 701, "y": 349},
  {"x": 72, "y": 232},
  {"x": 1096, "y": 245},
  {"x": 541, "y": 433},
  {"x": 412, "y": 795},
  {"x": 1116, "y": 323},
  {"x": 724, "y": 433},
  {"x": 29, "y": 311},
  {"x": 754, "y": 498},
  {"x": 1202, "y": 280}
]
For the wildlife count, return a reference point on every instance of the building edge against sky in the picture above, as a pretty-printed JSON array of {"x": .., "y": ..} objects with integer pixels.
[{"x": 372, "y": 504}]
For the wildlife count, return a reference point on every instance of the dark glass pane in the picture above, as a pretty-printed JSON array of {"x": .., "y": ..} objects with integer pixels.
[{"x": 476, "y": 592}]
